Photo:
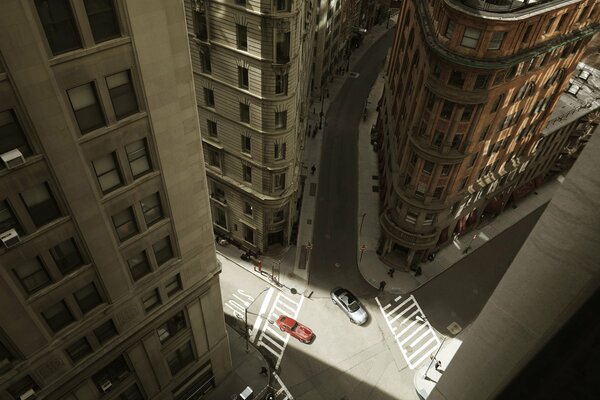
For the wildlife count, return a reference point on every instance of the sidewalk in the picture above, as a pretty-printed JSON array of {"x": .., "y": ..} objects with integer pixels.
[
  {"x": 245, "y": 372},
  {"x": 371, "y": 267}
]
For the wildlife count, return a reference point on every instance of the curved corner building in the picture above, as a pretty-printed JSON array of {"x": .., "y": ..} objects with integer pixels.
[{"x": 469, "y": 87}]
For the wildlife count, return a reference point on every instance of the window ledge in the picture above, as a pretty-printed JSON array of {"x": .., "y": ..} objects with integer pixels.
[{"x": 75, "y": 54}]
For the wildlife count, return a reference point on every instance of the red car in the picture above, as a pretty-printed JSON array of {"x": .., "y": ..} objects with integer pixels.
[{"x": 295, "y": 328}]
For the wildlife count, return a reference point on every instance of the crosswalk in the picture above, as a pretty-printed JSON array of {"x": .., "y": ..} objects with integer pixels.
[
  {"x": 412, "y": 332},
  {"x": 271, "y": 338}
]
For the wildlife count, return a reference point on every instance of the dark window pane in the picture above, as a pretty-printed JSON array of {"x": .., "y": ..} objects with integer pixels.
[
  {"x": 132, "y": 393},
  {"x": 122, "y": 94},
  {"x": 138, "y": 265},
  {"x": 173, "y": 285},
  {"x": 152, "y": 209},
  {"x": 58, "y": 316},
  {"x": 180, "y": 358},
  {"x": 32, "y": 275},
  {"x": 86, "y": 107},
  {"x": 11, "y": 135},
  {"x": 66, "y": 256},
  {"x": 88, "y": 298},
  {"x": 107, "y": 172},
  {"x": 151, "y": 300},
  {"x": 162, "y": 250},
  {"x": 79, "y": 350},
  {"x": 137, "y": 155},
  {"x": 106, "y": 331},
  {"x": 171, "y": 327},
  {"x": 103, "y": 19},
  {"x": 114, "y": 373},
  {"x": 8, "y": 220},
  {"x": 22, "y": 386},
  {"x": 125, "y": 225},
  {"x": 282, "y": 48},
  {"x": 5, "y": 353},
  {"x": 40, "y": 204},
  {"x": 57, "y": 19},
  {"x": 241, "y": 37}
]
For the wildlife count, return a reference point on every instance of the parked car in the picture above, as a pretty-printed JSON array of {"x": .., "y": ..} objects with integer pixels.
[
  {"x": 295, "y": 329},
  {"x": 349, "y": 305}
]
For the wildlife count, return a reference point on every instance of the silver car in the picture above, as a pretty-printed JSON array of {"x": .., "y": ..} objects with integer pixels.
[{"x": 349, "y": 305}]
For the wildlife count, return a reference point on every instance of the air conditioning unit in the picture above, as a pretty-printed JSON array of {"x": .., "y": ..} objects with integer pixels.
[
  {"x": 12, "y": 158},
  {"x": 29, "y": 394},
  {"x": 105, "y": 386},
  {"x": 10, "y": 238}
]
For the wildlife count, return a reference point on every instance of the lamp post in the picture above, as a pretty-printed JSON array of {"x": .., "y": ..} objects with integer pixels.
[{"x": 246, "y": 332}]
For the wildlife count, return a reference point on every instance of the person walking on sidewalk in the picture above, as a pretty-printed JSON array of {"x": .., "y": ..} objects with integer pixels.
[
  {"x": 264, "y": 371},
  {"x": 381, "y": 286},
  {"x": 391, "y": 272},
  {"x": 313, "y": 169}
]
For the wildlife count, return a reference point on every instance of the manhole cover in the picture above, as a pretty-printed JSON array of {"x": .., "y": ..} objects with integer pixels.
[
  {"x": 293, "y": 291},
  {"x": 454, "y": 328},
  {"x": 353, "y": 75}
]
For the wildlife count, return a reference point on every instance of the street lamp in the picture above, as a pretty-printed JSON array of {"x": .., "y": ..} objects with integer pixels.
[{"x": 246, "y": 332}]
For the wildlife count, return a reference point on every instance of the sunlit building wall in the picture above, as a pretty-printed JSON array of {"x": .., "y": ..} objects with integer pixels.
[{"x": 109, "y": 284}]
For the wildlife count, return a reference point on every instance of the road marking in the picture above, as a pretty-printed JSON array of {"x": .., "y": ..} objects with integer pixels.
[
  {"x": 282, "y": 389},
  {"x": 413, "y": 333},
  {"x": 263, "y": 308}
]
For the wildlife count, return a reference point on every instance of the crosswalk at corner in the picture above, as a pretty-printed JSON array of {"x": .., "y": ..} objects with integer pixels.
[
  {"x": 412, "y": 332},
  {"x": 271, "y": 338}
]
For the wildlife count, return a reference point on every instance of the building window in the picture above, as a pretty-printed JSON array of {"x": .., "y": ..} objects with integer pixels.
[
  {"x": 212, "y": 128},
  {"x": 278, "y": 216},
  {"x": 247, "y": 173},
  {"x": 429, "y": 218},
  {"x": 280, "y": 181},
  {"x": 125, "y": 224},
  {"x": 138, "y": 266},
  {"x": 209, "y": 97},
  {"x": 467, "y": 112},
  {"x": 219, "y": 217},
  {"x": 137, "y": 155},
  {"x": 151, "y": 300},
  {"x": 470, "y": 38},
  {"x": 447, "y": 109},
  {"x": 88, "y": 298},
  {"x": 241, "y": 37},
  {"x": 246, "y": 144},
  {"x": 248, "y": 234},
  {"x": 107, "y": 172},
  {"x": 438, "y": 139},
  {"x": 498, "y": 103},
  {"x": 561, "y": 21},
  {"x": 5, "y": 353},
  {"x": 280, "y": 119},
  {"x": 132, "y": 393},
  {"x": 457, "y": 78},
  {"x": 549, "y": 25},
  {"x": 180, "y": 358},
  {"x": 163, "y": 251},
  {"x": 527, "y": 33},
  {"x": 243, "y": 77},
  {"x": 113, "y": 373},
  {"x": 473, "y": 159},
  {"x": 59, "y": 26},
  {"x": 583, "y": 14},
  {"x": 411, "y": 217},
  {"x": 8, "y": 220},
  {"x": 496, "y": 41},
  {"x": 282, "y": 47},
  {"x": 170, "y": 328},
  {"x": 446, "y": 170},
  {"x": 79, "y": 350},
  {"x": 279, "y": 151},
  {"x": 66, "y": 256},
  {"x": 205, "y": 63},
  {"x": 240, "y": 2},
  {"x": 245, "y": 113},
  {"x": 32, "y": 275},
  {"x": 200, "y": 26},
  {"x": 103, "y": 19},
  {"x": 11, "y": 135},
  {"x": 18, "y": 388},
  {"x": 481, "y": 81},
  {"x": 457, "y": 140},
  {"x": 248, "y": 208},
  {"x": 122, "y": 94},
  {"x": 284, "y": 5},
  {"x": 58, "y": 316},
  {"x": 152, "y": 209},
  {"x": 106, "y": 331},
  {"x": 41, "y": 205},
  {"x": 463, "y": 183},
  {"x": 86, "y": 107},
  {"x": 214, "y": 157},
  {"x": 173, "y": 285},
  {"x": 428, "y": 167},
  {"x": 281, "y": 83},
  {"x": 450, "y": 29}
]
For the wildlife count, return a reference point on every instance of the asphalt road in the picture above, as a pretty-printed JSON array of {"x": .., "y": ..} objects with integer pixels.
[
  {"x": 333, "y": 258},
  {"x": 459, "y": 293}
]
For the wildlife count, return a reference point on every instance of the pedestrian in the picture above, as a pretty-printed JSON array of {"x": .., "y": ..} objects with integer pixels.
[
  {"x": 438, "y": 365},
  {"x": 313, "y": 169},
  {"x": 391, "y": 272},
  {"x": 264, "y": 371},
  {"x": 381, "y": 286}
]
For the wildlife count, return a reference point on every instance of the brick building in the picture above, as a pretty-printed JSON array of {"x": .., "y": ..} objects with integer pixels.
[
  {"x": 109, "y": 284},
  {"x": 469, "y": 88}
]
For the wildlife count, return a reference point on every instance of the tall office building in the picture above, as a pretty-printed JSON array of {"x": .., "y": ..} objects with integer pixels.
[
  {"x": 109, "y": 284},
  {"x": 469, "y": 87},
  {"x": 251, "y": 61}
]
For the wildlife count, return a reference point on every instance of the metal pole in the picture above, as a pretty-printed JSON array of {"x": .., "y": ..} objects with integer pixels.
[
  {"x": 246, "y": 333},
  {"x": 361, "y": 222},
  {"x": 434, "y": 357}
]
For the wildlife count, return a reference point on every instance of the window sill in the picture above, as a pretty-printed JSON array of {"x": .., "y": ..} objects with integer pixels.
[{"x": 75, "y": 54}]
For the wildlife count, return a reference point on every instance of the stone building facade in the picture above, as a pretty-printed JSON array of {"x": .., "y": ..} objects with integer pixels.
[
  {"x": 251, "y": 62},
  {"x": 109, "y": 284},
  {"x": 469, "y": 88}
]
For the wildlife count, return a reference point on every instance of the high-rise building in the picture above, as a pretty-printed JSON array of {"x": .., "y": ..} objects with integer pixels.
[
  {"x": 109, "y": 283},
  {"x": 469, "y": 87},
  {"x": 252, "y": 62}
]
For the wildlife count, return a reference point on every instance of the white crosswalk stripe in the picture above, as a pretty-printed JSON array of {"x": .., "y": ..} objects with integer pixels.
[
  {"x": 412, "y": 332},
  {"x": 271, "y": 338}
]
